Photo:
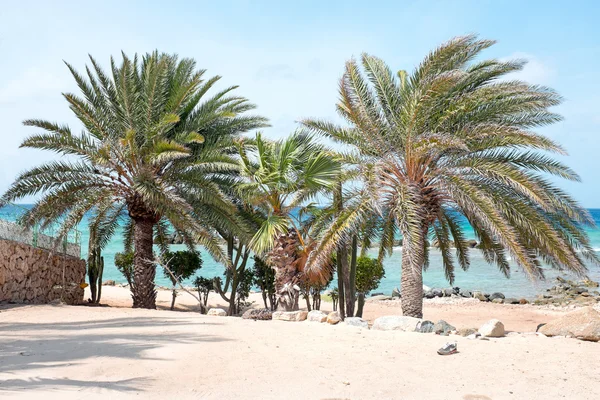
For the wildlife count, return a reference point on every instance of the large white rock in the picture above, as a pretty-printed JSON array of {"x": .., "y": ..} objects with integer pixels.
[
  {"x": 583, "y": 324},
  {"x": 217, "y": 312},
  {"x": 290, "y": 315},
  {"x": 317, "y": 316},
  {"x": 356, "y": 321},
  {"x": 492, "y": 328},
  {"x": 396, "y": 323}
]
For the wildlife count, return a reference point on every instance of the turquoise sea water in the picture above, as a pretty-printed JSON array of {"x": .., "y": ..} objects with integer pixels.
[{"x": 480, "y": 276}]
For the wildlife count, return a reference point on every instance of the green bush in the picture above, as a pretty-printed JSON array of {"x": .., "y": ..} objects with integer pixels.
[
  {"x": 124, "y": 263},
  {"x": 369, "y": 272}
]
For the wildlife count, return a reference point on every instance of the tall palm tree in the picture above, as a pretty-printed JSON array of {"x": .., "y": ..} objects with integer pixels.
[
  {"x": 454, "y": 138},
  {"x": 153, "y": 143},
  {"x": 281, "y": 177}
]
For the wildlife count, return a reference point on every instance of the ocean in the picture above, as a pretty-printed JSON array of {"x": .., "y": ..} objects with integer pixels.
[{"x": 480, "y": 276}]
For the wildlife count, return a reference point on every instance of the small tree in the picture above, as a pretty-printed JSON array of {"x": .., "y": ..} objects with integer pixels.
[
  {"x": 124, "y": 263},
  {"x": 369, "y": 272},
  {"x": 334, "y": 294},
  {"x": 183, "y": 264},
  {"x": 204, "y": 286},
  {"x": 264, "y": 278}
]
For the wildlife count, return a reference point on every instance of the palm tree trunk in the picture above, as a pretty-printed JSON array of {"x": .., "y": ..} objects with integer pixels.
[
  {"x": 361, "y": 305},
  {"x": 411, "y": 282},
  {"x": 143, "y": 290},
  {"x": 351, "y": 285},
  {"x": 340, "y": 273},
  {"x": 283, "y": 259}
]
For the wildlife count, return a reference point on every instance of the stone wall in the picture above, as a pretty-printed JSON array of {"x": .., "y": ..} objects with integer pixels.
[{"x": 33, "y": 275}]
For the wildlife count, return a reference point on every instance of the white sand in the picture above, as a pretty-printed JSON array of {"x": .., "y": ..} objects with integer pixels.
[{"x": 109, "y": 352}]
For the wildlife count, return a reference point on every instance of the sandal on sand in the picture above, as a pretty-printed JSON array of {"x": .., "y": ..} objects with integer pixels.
[{"x": 449, "y": 348}]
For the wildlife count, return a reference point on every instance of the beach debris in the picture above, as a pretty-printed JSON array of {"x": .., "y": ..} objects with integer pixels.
[
  {"x": 334, "y": 318},
  {"x": 425, "y": 327},
  {"x": 258, "y": 314},
  {"x": 396, "y": 293},
  {"x": 217, "y": 312},
  {"x": 539, "y": 326},
  {"x": 443, "y": 328},
  {"x": 396, "y": 323},
  {"x": 492, "y": 328},
  {"x": 109, "y": 282},
  {"x": 356, "y": 321},
  {"x": 290, "y": 315},
  {"x": 474, "y": 336},
  {"x": 316, "y": 316},
  {"x": 448, "y": 349},
  {"x": 583, "y": 324}
]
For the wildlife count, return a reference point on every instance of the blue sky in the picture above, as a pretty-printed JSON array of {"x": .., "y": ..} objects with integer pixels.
[{"x": 287, "y": 57}]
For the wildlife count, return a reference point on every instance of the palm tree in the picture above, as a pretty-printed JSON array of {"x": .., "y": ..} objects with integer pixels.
[
  {"x": 455, "y": 138},
  {"x": 281, "y": 177},
  {"x": 152, "y": 145}
]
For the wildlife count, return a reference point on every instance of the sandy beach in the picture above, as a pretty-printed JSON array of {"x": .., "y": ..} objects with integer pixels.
[{"x": 80, "y": 352}]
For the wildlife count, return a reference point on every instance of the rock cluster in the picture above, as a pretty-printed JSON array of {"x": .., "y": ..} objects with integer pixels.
[
  {"x": 566, "y": 292},
  {"x": 33, "y": 275},
  {"x": 317, "y": 316}
]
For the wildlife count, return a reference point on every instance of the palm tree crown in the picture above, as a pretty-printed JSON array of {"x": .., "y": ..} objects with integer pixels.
[
  {"x": 153, "y": 144},
  {"x": 454, "y": 138}
]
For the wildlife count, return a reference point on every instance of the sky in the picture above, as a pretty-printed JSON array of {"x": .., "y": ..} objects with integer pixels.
[{"x": 287, "y": 57}]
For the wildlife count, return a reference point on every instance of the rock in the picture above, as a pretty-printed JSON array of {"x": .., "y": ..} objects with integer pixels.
[
  {"x": 442, "y": 327},
  {"x": 424, "y": 327},
  {"x": 217, "y": 312},
  {"x": 333, "y": 318},
  {"x": 590, "y": 283},
  {"x": 426, "y": 288},
  {"x": 498, "y": 301},
  {"x": 317, "y": 316},
  {"x": 448, "y": 292},
  {"x": 373, "y": 295},
  {"x": 583, "y": 324},
  {"x": 492, "y": 328},
  {"x": 479, "y": 296},
  {"x": 428, "y": 295},
  {"x": 437, "y": 292},
  {"x": 356, "y": 321},
  {"x": 496, "y": 295},
  {"x": 511, "y": 300},
  {"x": 465, "y": 332},
  {"x": 290, "y": 315},
  {"x": 378, "y": 298},
  {"x": 261, "y": 314},
  {"x": 109, "y": 283},
  {"x": 523, "y": 301},
  {"x": 396, "y": 293},
  {"x": 396, "y": 323},
  {"x": 466, "y": 293}
]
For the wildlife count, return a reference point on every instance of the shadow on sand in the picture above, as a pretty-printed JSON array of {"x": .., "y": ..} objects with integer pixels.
[{"x": 29, "y": 346}]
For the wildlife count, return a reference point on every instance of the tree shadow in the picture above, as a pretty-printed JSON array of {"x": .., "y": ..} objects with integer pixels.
[
  {"x": 123, "y": 385},
  {"x": 29, "y": 346}
]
